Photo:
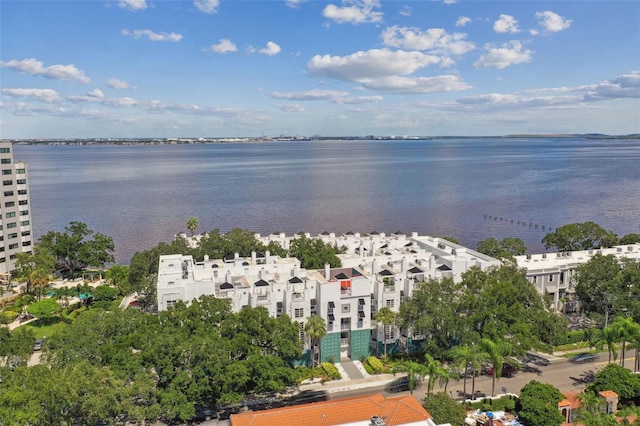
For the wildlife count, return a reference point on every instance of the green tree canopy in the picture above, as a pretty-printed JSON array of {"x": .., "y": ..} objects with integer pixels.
[
  {"x": 118, "y": 276},
  {"x": 444, "y": 409},
  {"x": 579, "y": 236},
  {"x": 44, "y": 309},
  {"x": 78, "y": 247},
  {"x": 538, "y": 405},
  {"x": 505, "y": 249},
  {"x": 618, "y": 379},
  {"x": 630, "y": 239},
  {"x": 313, "y": 253},
  {"x": 192, "y": 225}
]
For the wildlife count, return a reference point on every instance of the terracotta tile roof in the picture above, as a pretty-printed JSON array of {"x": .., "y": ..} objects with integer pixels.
[
  {"x": 394, "y": 411},
  {"x": 608, "y": 394},
  {"x": 571, "y": 399}
]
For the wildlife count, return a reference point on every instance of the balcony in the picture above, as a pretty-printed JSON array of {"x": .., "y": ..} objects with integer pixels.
[{"x": 297, "y": 296}]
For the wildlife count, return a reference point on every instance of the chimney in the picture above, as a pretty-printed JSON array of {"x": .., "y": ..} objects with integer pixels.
[
  {"x": 236, "y": 256},
  {"x": 206, "y": 257},
  {"x": 228, "y": 277},
  {"x": 405, "y": 264},
  {"x": 374, "y": 266},
  {"x": 253, "y": 257},
  {"x": 327, "y": 271}
]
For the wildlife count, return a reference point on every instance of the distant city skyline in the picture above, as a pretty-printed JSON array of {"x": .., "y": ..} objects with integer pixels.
[{"x": 216, "y": 68}]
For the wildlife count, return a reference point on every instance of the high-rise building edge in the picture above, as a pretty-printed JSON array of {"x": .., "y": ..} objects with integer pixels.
[{"x": 16, "y": 234}]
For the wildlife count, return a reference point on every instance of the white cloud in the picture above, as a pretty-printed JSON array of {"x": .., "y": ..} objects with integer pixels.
[
  {"x": 96, "y": 93},
  {"x": 450, "y": 1},
  {"x": 94, "y": 98},
  {"x": 506, "y": 24},
  {"x": 42, "y": 95},
  {"x": 294, "y": 4},
  {"x": 207, "y": 6},
  {"x": 552, "y": 22},
  {"x": 310, "y": 95},
  {"x": 433, "y": 39},
  {"x": 153, "y": 36},
  {"x": 501, "y": 57},
  {"x": 290, "y": 107},
  {"x": 32, "y": 66},
  {"x": 501, "y": 101},
  {"x": 358, "y": 100},
  {"x": 133, "y": 5},
  {"x": 370, "y": 64},
  {"x": 416, "y": 85},
  {"x": 406, "y": 11},
  {"x": 624, "y": 86},
  {"x": 271, "y": 49},
  {"x": 114, "y": 83},
  {"x": 462, "y": 21},
  {"x": 224, "y": 46},
  {"x": 354, "y": 12}
]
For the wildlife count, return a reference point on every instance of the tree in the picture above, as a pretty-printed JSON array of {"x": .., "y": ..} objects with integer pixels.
[
  {"x": 118, "y": 276},
  {"x": 104, "y": 293},
  {"x": 44, "y": 309},
  {"x": 415, "y": 372},
  {"x": 595, "y": 279},
  {"x": 496, "y": 352},
  {"x": 505, "y": 249},
  {"x": 39, "y": 279},
  {"x": 444, "y": 409},
  {"x": 435, "y": 371},
  {"x": 192, "y": 224},
  {"x": 78, "y": 247},
  {"x": 315, "y": 328},
  {"x": 591, "y": 411},
  {"x": 625, "y": 329},
  {"x": 608, "y": 337},
  {"x": 630, "y": 239},
  {"x": 313, "y": 253},
  {"x": 468, "y": 357},
  {"x": 387, "y": 317},
  {"x": 538, "y": 405},
  {"x": 16, "y": 346},
  {"x": 37, "y": 260},
  {"x": 618, "y": 379},
  {"x": 579, "y": 236}
]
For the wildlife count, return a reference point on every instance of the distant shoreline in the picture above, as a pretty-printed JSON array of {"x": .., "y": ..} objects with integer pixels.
[{"x": 196, "y": 141}]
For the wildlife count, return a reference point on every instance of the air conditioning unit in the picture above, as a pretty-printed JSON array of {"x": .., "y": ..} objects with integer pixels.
[{"x": 377, "y": 421}]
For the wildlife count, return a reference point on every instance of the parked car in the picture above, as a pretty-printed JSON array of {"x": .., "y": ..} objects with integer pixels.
[
  {"x": 584, "y": 357},
  {"x": 38, "y": 345},
  {"x": 536, "y": 359},
  {"x": 402, "y": 385},
  {"x": 507, "y": 370}
]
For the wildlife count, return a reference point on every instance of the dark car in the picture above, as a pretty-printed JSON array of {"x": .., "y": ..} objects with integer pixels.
[
  {"x": 402, "y": 385},
  {"x": 507, "y": 370},
  {"x": 584, "y": 357}
]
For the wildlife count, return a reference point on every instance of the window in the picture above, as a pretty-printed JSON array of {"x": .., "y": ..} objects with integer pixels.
[
  {"x": 389, "y": 331},
  {"x": 20, "y": 171},
  {"x": 24, "y": 223},
  {"x": 5, "y": 161},
  {"x": 346, "y": 308},
  {"x": 3, "y": 259},
  {"x": 9, "y": 214},
  {"x": 11, "y": 225},
  {"x": 24, "y": 212},
  {"x": 298, "y": 313},
  {"x": 22, "y": 192},
  {"x": 1, "y": 249},
  {"x": 26, "y": 233},
  {"x": 301, "y": 331},
  {"x": 171, "y": 303},
  {"x": 8, "y": 193},
  {"x": 13, "y": 256},
  {"x": 535, "y": 279},
  {"x": 6, "y": 172},
  {"x": 23, "y": 202},
  {"x": 7, "y": 182},
  {"x": 26, "y": 243},
  {"x": 9, "y": 204},
  {"x": 12, "y": 236},
  {"x": 550, "y": 277},
  {"x": 13, "y": 246},
  {"x": 5, "y": 150},
  {"x": 21, "y": 181},
  {"x": 390, "y": 303}
]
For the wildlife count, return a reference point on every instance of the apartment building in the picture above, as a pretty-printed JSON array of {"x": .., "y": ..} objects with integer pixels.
[
  {"x": 377, "y": 270},
  {"x": 553, "y": 274},
  {"x": 15, "y": 221}
]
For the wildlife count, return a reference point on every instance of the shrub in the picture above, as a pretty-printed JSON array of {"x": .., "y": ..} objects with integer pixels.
[
  {"x": 368, "y": 367},
  {"x": 331, "y": 370},
  {"x": 376, "y": 364}
]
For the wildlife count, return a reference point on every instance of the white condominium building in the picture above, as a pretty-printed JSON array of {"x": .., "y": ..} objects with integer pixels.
[
  {"x": 553, "y": 273},
  {"x": 15, "y": 221}
]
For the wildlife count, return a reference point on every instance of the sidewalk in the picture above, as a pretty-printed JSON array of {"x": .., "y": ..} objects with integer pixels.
[{"x": 347, "y": 384}]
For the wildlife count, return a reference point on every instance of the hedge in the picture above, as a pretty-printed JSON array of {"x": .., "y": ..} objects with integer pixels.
[
  {"x": 376, "y": 364},
  {"x": 331, "y": 370}
]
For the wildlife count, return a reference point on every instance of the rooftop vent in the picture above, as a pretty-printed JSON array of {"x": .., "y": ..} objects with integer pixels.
[{"x": 377, "y": 421}]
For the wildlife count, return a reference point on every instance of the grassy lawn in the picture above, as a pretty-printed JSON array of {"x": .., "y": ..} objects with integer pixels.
[{"x": 48, "y": 329}]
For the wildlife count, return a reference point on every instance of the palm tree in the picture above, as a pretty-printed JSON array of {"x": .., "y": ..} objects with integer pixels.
[
  {"x": 387, "y": 317},
  {"x": 468, "y": 356},
  {"x": 590, "y": 413},
  {"x": 496, "y": 353},
  {"x": 607, "y": 337},
  {"x": 192, "y": 224},
  {"x": 316, "y": 329},
  {"x": 446, "y": 376},
  {"x": 624, "y": 327},
  {"x": 435, "y": 370},
  {"x": 413, "y": 369},
  {"x": 39, "y": 279}
]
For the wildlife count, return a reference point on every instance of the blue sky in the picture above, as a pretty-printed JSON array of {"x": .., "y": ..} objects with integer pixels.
[{"x": 216, "y": 68}]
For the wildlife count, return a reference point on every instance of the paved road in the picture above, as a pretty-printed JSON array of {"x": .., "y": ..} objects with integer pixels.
[{"x": 560, "y": 372}]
